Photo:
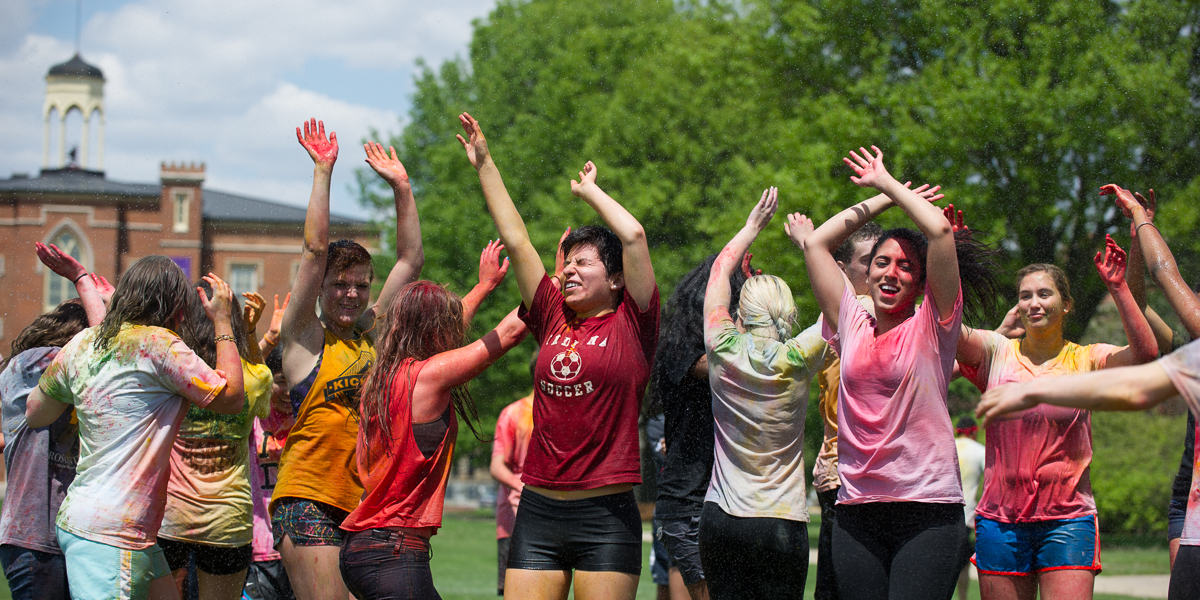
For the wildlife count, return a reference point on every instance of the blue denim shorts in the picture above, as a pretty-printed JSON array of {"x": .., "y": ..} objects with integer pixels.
[{"x": 1029, "y": 548}]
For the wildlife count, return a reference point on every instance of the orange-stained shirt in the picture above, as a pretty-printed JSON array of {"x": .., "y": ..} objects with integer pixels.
[
  {"x": 318, "y": 460},
  {"x": 513, "y": 431}
]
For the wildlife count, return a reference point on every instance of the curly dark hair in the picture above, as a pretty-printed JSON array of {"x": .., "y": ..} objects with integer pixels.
[
  {"x": 977, "y": 266},
  {"x": 52, "y": 329},
  {"x": 425, "y": 320},
  {"x": 154, "y": 291},
  {"x": 681, "y": 336}
]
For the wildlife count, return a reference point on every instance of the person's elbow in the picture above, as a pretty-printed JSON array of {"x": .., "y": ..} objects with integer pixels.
[
  {"x": 636, "y": 235},
  {"x": 228, "y": 402}
]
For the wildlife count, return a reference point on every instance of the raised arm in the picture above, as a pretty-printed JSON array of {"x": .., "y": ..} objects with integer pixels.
[
  {"x": 491, "y": 273},
  {"x": 456, "y": 367},
  {"x": 1142, "y": 345},
  {"x": 941, "y": 262},
  {"x": 410, "y": 253},
  {"x": 66, "y": 266},
  {"x": 252, "y": 311},
  {"x": 1127, "y": 388},
  {"x": 717, "y": 293},
  {"x": 527, "y": 265},
  {"x": 635, "y": 252},
  {"x": 229, "y": 363},
  {"x": 1159, "y": 260},
  {"x": 270, "y": 339},
  {"x": 301, "y": 328}
]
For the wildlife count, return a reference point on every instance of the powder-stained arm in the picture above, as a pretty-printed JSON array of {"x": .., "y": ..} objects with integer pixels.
[{"x": 717, "y": 293}]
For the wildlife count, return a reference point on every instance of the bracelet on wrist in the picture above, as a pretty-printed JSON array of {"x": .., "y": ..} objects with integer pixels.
[
  {"x": 85, "y": 274},
  {"x": 1140, "y": 226},
  {"x": 225, "y": 338}
]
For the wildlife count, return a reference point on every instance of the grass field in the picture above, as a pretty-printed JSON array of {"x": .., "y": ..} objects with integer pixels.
[{"x": 464, "y": 561}]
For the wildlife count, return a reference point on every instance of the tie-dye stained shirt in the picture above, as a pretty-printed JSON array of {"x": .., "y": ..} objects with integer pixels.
[
  {"x": 130, "y": 399},
  {"x": 759, "y": 396},
  {"x": 208, "y": 495},
  {"x": 1183, "y": 369},
  {"x": 1038, "y": 459},
  {"x": 514, "y": 428}
]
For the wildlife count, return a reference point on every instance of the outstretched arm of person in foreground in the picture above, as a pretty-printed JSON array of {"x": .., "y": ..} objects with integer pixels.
[
  {"x": 491, "y": 273},
  {"x": 527, "y": 265},
  {"x": 66, "y": 266},
  {"x": 1142, "y": 346},
  {"x": 410, "y": 252},
  {"x": 635, "y": 252},
  {"x": 229, "y": 363},
  {"x": 717, "y": 293},
  {"x": 1125, "y": 388},
  {"x": 300, "y": 324},
  {"x": 941, "y": 262}
]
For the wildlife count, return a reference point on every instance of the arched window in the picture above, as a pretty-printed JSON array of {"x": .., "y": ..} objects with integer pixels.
[{"x": 58, "y": 289}]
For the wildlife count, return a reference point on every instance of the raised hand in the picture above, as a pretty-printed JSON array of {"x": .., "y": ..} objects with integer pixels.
[
  {"x": 323, "y": 150},
  {"x": 764, "y": 210},
  {"x": 1150, "y": 205},
  {"x": 586, "y": 176},
  {"x": 956, "y": 220},
  {"x": 219, "y": 306},
  {"x": 746, "y": 270},
  {"x": 103, "y": 287},
  {"x": 253, "y": 311},
  {"x": 272, "y": 334},
  {"x": 474, "y": 144},
  {"x": 869, "y": 170},
  {"x": 929, "y": 193},
  {"x": 1011, "y": 327},
  {"x": 1122, "y": 197},
  {"x": 1111, "y": 263},
  {"x": 388, "y": 167},
  {"x": 560, "y": 259},
  {"x": 798, "y": 228},
  {"x": 491, "y": 270},
  {"x": 60, "y": 262}
]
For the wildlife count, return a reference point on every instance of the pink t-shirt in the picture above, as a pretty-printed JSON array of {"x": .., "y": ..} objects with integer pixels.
[
  {"x": 1183, "y": 369},
  {"x": 265, "y": 449},
  {"x": 1037, "y": 459},
  {"x": 895, "y": 439},
  {"x": 513, "y": 430}
]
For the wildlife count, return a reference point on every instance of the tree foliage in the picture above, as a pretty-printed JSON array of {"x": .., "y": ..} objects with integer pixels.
[{"x": 1021, "y": 109}]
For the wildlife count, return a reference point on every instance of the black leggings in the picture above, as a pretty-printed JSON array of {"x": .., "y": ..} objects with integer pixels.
[
  {"x": 898, "y": 550},
  {"x": 757, "y": 557},
  {"x": 1185, "y": 575}
]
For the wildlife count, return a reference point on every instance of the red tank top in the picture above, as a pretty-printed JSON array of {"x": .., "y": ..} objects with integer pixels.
[{"x": 404, "y": 488}]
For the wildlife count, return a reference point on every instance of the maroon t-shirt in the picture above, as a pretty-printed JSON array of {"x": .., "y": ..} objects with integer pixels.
[{"x": 588, "y": 386}]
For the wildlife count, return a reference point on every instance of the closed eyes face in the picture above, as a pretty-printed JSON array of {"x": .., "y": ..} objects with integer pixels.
[
  {"x": 893, "y": 275},
  {"x": 586, "y": 285},
  {"x": 1040, "y": 304}
]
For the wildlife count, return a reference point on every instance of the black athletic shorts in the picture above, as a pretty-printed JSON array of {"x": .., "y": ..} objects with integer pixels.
[
  {"x": 214, "y": 560},
  {"x": 594, "y": 534}
]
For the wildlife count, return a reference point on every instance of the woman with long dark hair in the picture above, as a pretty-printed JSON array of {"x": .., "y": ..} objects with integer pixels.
[
  {"x": 409, "y": 403},
  {"x": 900, "y": 524},
  {"x": 597, "y": 328},
  {"x": 209, "y": 500},
  {"x": 131, "y": 379}
]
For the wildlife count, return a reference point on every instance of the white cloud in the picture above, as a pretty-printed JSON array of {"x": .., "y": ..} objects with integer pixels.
[{"x": 226, "y": 82}]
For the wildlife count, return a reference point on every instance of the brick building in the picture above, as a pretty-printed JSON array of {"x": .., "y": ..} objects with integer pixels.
[{"x": 253, "y": 244}]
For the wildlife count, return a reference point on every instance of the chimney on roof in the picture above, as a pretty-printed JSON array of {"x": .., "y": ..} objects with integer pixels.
[{"x": 182, "y": 173}]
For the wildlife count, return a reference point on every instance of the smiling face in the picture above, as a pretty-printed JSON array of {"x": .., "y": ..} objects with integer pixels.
[
  {"x": 894, "y": 275},
  {"x": 279, "y": 389},
  {"x": 1040, "y": 304},
  {"x": 587, "y": 287},
  {"x": 345, "y": 295}
]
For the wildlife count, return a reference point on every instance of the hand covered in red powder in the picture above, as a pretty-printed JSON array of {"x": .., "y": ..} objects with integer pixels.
[
  {"x": 491, "y": 270},
  {"x": 60, "y": 262},
  {"x": 323, "y": 150},
  {"x": 1111, "y": 263}
]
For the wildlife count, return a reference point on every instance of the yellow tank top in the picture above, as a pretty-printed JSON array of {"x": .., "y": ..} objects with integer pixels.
[{"x": 318, "y": 459}]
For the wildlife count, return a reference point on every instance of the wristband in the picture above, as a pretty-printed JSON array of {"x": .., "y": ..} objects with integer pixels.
[
  {"x": 271, "y": 342},
  {"x": 85, "y": 274},
  {"x": 226, "y": 337},
  {"x": 1139, "y": 227}
]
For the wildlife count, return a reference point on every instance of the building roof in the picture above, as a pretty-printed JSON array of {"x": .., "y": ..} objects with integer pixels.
[
  {"x": 76, "y": 68},
  {"x": 77, "y": 182},
  {"x": 223, "y": 206},
  {"x": 218, "y": 206}
]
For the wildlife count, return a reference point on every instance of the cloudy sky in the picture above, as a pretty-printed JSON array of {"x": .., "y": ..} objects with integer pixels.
[{"x": 226, "y": 81}]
